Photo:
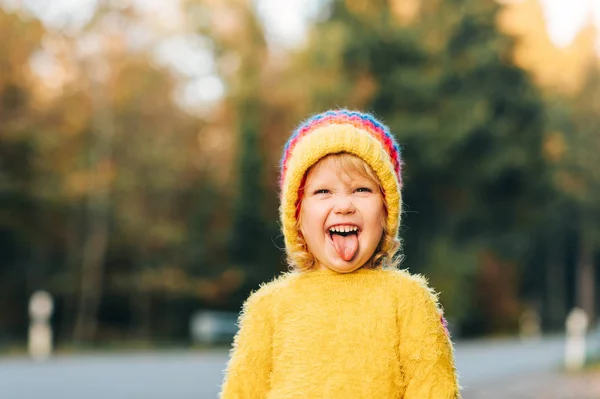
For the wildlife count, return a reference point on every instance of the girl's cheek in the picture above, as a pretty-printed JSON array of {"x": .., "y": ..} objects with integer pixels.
[{"x": 320, "y": 211}]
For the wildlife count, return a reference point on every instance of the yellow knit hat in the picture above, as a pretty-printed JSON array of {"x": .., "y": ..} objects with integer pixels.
[{"x": 334, "y": 132}]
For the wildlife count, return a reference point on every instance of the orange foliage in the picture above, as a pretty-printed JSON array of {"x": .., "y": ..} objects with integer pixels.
[
  {"x": 560, "y": 69},
  {"x": 405, "y": 11},
  {"x": 554, "y": 147},
  {"x": 79, "y": 184}
]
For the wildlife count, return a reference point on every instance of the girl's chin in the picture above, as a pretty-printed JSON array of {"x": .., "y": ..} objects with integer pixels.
[
  {"x": 336, "y": 263},
  {"x": 345, "y": 270}
]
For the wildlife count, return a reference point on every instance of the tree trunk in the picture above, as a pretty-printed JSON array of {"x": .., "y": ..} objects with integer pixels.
[
  {"x": 96, "y": 237},
  {"x": 73, "y": 257},
  {"x": 555, "y": 284},
  {"x": 586, "y": 276},
  {"x": 139, "y": 301}
]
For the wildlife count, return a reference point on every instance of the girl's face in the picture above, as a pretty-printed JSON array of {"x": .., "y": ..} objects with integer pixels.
[{"x": 341, "y": 216}]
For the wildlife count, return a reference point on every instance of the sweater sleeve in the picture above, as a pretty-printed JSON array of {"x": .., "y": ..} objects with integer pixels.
[
  {"x": 249, "y": 367},
  {"x": 425, "y": 348}
]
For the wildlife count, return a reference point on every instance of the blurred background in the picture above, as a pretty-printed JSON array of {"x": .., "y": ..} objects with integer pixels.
[{"x": 139, "y": 151}]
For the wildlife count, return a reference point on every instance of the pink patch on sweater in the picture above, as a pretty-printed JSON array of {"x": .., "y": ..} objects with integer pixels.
[{"x": 445, "y": 324}]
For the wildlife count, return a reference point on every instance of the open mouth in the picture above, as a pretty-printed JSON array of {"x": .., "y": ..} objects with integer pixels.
[
  {"x": 344, "y": 239},
  {"x": 343, "y": 231}
]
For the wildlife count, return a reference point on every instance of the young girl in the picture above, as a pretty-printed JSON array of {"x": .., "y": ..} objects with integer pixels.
[{"x": 345, "y": 322}]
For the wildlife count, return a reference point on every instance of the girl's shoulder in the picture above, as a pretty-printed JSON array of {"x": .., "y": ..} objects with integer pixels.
[
  {"x": 405, "y": 278},
  {"x": 411, "y": 284},
  {"x": 271, "y": 289}
]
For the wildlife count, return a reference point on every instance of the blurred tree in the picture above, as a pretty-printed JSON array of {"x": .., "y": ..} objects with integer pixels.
[
  {"x": 552, "y": 233},
  {"x": 241, "y": 53},
  {"x": 569, "y": 231},
  {"x": 113, "y": 165},
  {"x": 566, "y": 77},
  {"x": 23, "y": 247},
  {"x": 99, "y": 159},
  {"x": 155, "y": 147},
  {"x": 580, "y": 180}
]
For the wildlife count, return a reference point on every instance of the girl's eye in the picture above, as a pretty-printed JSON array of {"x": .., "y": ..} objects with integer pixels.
[
  {"x": 364, "y": 190},
  {"x": 321, "y": 191}
]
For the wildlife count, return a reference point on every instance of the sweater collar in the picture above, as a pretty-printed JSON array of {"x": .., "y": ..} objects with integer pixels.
[{"x": 333, "y": 273}]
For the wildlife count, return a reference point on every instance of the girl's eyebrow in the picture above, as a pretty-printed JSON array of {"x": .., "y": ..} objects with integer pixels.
[
  {"x": 364, "y": 182},
  {"x": 319, "y": 183}
]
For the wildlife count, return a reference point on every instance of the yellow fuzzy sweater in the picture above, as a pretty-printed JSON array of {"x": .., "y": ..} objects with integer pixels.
[{"x": 371, "y": 334}]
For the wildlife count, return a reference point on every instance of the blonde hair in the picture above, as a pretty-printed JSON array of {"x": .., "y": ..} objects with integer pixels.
[{"x": 386, "y": 253}]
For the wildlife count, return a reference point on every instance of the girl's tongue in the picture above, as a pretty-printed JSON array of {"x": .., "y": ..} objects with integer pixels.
[{"x": 345, "y": 246}]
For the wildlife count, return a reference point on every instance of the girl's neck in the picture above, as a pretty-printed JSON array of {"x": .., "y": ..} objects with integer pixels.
[{"x": 324, "y": 270}]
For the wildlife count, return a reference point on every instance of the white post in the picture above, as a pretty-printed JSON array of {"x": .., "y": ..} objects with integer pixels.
[
  {"x": 40, "y": 332},
  {"x": 576, "y": 328},
  {"x": 529, "y": 326}
]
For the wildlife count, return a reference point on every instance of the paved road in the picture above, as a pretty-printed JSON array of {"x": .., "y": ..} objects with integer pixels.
[
  {"x": 198, "y": 375},
  {"x": 546, "y": 385}
]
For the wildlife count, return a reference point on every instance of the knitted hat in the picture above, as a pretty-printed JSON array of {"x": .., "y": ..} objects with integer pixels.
[{"x": 334, "y": 132}]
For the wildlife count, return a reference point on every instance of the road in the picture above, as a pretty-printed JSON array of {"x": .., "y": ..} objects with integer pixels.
[{"x": 187, "y": 375}]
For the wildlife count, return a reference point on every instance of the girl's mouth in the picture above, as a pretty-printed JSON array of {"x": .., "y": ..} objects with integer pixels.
[{"x": 344, "y": 239}]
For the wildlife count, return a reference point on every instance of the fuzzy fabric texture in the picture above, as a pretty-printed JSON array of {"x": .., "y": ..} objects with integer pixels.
[
  {"x": 333, "y": 132},
  {"x": 372, "y": 333}
]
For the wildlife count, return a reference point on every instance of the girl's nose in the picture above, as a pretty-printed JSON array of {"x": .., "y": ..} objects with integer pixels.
[{"x": 344, "y": 205}]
